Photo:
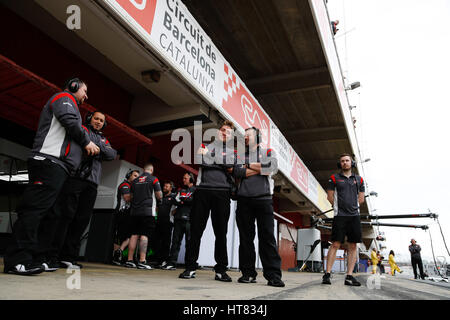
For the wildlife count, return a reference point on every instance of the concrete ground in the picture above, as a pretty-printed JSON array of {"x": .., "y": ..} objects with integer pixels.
[{"x": 108, "y": 282}]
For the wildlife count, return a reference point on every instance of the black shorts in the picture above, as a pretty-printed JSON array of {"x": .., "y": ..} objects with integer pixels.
[
  {"x": 346, "y": 226},
  {"x": 142, "y": 225},
  {"x": 123, "y": 225}
]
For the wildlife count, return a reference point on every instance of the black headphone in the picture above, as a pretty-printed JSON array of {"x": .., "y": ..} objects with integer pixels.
[
  {"x": 191, "y": 177},
  {"x": 130, "y": 171},
  {"x": 339, "y": 162},
  {"x": 73, "y": 85},
  {"x": 89, "y": 116},
  {"x": 258, "y": 134}
]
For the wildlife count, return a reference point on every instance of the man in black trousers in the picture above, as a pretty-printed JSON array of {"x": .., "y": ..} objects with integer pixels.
[
  {"x": 254, "y": 203},
  {"x": 212, "y": 195},
  {"x": 183, "y": 200},
  {"x": 416, "y": 259},
  {"x": 57, "y": 151},
  {"x": 163, "y": 230},
  {"x": 75, "y": 203}
]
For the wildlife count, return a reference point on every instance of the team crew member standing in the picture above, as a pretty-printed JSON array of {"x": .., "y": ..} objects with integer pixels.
[
  {"x": 183, "y": 201},
  {"x": 144, "y": 189},
  {"x": 254, "y": 202},
  {"x": 345, "y": 192},
  {"x": 76, "y": 201},
  {"x": 163, "y": 232},
  {"x": 212, "y": 195},
  {"x": 123, "y": 208},
  {"x": 416, "y": 259},
  {"x": 57, "y": 151}
]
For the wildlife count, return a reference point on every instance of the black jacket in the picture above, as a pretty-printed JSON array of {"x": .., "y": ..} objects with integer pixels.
[
  {"x": 60, "y": 136},
  {"x": 212, "y": 173},
  {"x": 164, "y": 207},
  {"x": 91, "y": 166},
  {"x": 257, "y": 186},
  {"x": 184, "y": 201},
  {"x": 415, "y": 249}
]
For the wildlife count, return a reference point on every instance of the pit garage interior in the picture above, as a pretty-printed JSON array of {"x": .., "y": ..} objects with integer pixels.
[{"x": 274, "y": 46}]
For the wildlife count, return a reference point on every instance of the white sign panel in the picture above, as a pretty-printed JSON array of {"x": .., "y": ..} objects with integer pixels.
[{"x": 169, "y": 28}]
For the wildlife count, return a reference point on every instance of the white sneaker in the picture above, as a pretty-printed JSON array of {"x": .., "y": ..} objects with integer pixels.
[
  {"x": 187, "y": 274},
  {"x": 25, "y": 269},
  {"x": 169, "y": 266},
  {"x": 129, "y": 264},
  {"x": 69, "y": 265},
  {"x": 49, "y": 267},
  {"x": 143, "y": 265}
]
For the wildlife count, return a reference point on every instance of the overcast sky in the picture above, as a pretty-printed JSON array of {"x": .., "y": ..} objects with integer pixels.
[{"x": 400, "y": 52}]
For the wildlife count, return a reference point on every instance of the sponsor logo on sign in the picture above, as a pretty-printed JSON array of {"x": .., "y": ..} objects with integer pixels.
[
  {"x": 142, "y": 11},
  {"x": 244, "y": 109}
]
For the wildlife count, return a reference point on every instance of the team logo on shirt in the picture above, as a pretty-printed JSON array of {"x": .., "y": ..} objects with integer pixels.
[{"x": 143, "y": 179}]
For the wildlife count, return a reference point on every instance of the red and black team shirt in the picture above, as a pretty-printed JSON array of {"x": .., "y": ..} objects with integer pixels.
[
  {"x": 346, "y": 193},
  {"x": 143, "y": 200},
  {"x": 123, "y": 188}
]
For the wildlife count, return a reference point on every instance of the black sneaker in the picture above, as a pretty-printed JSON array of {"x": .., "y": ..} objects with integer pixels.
[
  {"x": 129, "y": 264},
  {"x": 276, "y": 282},
  {"x": 351, "y": 281},
  {"x": 117, "y": 257},
  {"x": 326, "y": 278},
  {"x": 247, "y": 279},
  {"x": 143, "y": 265},
  {"x": 187, "y": 274},
  {"x": 25, "y": 269},
  {"x": 222, "y": 277},
  {"x": 50, "y": 266},
  {"x": 169, "y": 266}
]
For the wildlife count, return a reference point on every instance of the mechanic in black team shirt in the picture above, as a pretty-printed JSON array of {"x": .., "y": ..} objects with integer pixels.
[
  {"x": 164, "y": 226},
  {"x": 122, "y": 218},
  {"x": 183, "y": 200},
  {"x": 145, "y": 192},
  {"x": 345, "y": 191},
  {"x": 212, "y": 195},
  {"x": 254, "y": 203}
]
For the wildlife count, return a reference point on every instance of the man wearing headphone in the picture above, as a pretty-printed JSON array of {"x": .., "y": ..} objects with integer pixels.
[
  {"x": 183, "y": 200},
  {"x": 56, "y": 153},
  {"x": 254, "y": 204},
  {"x": 122, "y": 221},
  {"x": 345, "y": 191},
  {"x": 163, "y": 231},
  {"x": 76, "y": 201}
]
